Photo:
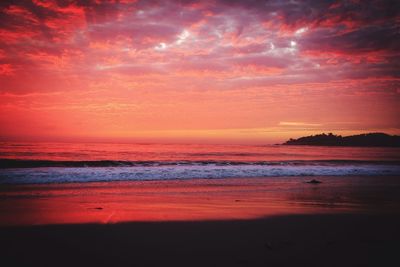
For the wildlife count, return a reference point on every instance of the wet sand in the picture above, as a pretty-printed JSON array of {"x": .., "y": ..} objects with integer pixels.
[
  {"x": 344, "y": 221},
  {"x": 197, "y": 199}
]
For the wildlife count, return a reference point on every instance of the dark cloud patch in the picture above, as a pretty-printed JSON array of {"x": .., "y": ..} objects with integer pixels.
[
  {"x": 361, "y": 40},
  {"x": 366, "y": 12},
  {"x": 321, "y": 12},
  {"x": 373, "y": 70},
  {"x": 28, "y": 17},
  {"x": 10, "y": 19}
]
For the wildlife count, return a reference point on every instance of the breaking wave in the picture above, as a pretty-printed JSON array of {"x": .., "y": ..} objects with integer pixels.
[{"x": 44, "y": 171}]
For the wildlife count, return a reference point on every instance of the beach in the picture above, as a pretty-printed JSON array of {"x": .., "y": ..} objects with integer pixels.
[
  {"x": 346, "y": 221},
  {"x": 195, "y": 199},
  {"x": 198, "y": 205},
  {"x": 299, "y": 240}
]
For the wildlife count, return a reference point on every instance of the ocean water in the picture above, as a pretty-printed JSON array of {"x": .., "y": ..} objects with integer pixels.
[{"x": 39, "y": 163}]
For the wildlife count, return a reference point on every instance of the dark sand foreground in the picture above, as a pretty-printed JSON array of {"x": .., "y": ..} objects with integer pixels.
[
  {"x": 308, "y": 240},
  {"x": 344, "y": 221}
]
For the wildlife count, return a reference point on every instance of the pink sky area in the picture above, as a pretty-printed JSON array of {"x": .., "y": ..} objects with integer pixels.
[{"x": 197, "y": 71}]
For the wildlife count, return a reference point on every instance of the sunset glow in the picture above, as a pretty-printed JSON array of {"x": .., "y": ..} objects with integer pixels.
[
  {"x": 197, "y": 71},
  {"x": 110, "y": 203}
]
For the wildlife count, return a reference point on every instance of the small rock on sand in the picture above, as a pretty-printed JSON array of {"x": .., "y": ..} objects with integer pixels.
[{"x": 313, "y": 181}]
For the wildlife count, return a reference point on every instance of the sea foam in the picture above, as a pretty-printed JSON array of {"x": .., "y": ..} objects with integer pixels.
[{"x": 187, "y": 171}]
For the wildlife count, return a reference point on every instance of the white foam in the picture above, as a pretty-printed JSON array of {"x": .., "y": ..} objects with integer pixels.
[{"x": 97, "y": 174}]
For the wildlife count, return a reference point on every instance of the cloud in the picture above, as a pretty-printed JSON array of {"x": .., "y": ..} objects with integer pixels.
[
  {"x": 6, "y": 69},
  {"x": 266, "y": 57},
  {"x": 299, "y": 124}
]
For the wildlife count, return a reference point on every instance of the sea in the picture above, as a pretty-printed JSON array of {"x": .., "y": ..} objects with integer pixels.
[{"x": 46, "y": 163}]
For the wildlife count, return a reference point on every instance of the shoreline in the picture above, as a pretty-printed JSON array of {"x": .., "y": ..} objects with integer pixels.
[{"x": 195, "y": 199}]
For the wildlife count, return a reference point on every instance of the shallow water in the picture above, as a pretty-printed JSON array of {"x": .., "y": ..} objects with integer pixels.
[{"x": 26, "y": 163}]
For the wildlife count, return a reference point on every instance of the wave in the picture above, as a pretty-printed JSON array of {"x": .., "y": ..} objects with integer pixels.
[
  {"x": 18, "y": 163},
  {"x": 98, "y": 171}
]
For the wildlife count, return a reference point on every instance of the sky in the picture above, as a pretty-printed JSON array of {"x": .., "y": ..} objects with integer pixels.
[{"x": 197, "y": 71}]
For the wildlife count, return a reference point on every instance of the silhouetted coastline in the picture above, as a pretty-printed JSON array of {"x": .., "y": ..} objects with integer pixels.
[{"x": 361, "y": 140}]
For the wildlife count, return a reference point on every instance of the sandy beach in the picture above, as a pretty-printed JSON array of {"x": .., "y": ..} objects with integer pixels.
[
  {"x": 299, "y": 240},
  {"x": 347, "y": 221}
]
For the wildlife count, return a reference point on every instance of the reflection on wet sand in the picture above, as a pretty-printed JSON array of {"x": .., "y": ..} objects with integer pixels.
[{"x": 201, "y": 199}]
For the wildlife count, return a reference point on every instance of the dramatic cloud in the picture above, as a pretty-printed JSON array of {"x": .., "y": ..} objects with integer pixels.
[{"x": 120, "y": 68}]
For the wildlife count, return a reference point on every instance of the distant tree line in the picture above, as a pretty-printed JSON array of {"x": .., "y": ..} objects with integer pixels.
[{"x": 364, "y": 140}]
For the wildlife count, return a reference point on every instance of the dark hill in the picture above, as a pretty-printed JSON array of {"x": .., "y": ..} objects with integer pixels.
[{"x": 363, "y": 140}]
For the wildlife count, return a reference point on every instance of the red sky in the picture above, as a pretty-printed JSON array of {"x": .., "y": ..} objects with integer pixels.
[{"x": 201, "y": 71}]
